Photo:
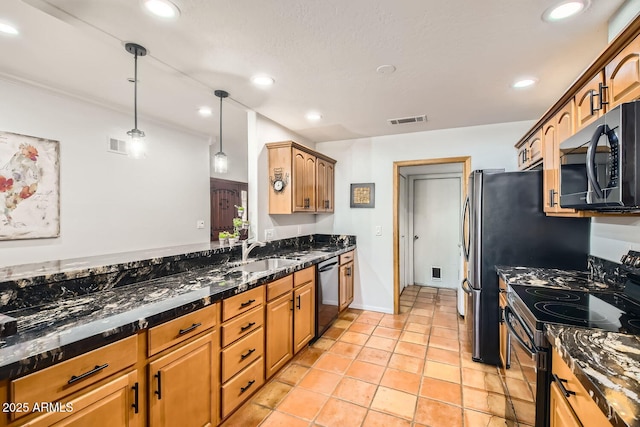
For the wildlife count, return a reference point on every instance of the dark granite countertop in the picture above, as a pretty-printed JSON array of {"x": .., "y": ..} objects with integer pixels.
[
  {"x": 66, "y": 327},
  {"x": 556, "y": 278},
  {"x": 607, "y": 364}
]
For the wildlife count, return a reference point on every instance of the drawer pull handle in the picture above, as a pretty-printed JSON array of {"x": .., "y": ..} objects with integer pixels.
[
  {"x": 560, "y": 382},
  {"x": 245, "y": 304},
  {"x": 189, "y": 329},
  {"x": 247, "y": 354},
  {"x": 298, "y": 305},
  {"x": 248, "y": 326},
  {"x": 95, "y": 370},
  {"x": 134, "y": 405},
  {"x": 245, "y": 388},
  {"x": 159, "y": 390}
]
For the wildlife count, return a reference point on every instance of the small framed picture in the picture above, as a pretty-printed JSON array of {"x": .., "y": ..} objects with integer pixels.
[{"x": 363, "y": 195}]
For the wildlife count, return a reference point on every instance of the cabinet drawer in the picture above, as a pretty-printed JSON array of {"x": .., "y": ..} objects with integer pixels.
[
  {"x": 582, "y": 404},
  {"x": 344, "y": 258},
  {"x": 164, "y": 336},
  {"x": 304, "y": 276},
  {"x": 57, "y": 381},
  {"x": 242, "y": 353},
  {"x": 237, "y": 390},
  {"x": 243, "y": 302},
  {"x": 237, "y": 328},
  {"x": 279, "y": 287}
]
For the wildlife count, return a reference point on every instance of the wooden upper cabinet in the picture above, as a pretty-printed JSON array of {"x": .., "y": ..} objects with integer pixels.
[
  {"x": 588, "y": 107},
  {"x": 530, "y": 151},
  {"x": 623, "y": 75},
  {"x": 550, "y": 189},
  {"x": 324, "y": 181},
  {"x": 307, "y": 176},
  {"x": 303, "y": 181}
]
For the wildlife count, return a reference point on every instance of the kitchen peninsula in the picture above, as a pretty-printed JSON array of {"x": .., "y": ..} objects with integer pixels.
[{"x": 66, "y": 311}]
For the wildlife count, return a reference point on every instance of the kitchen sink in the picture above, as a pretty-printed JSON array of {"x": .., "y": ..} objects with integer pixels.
[{"x": 265, "y": 265}]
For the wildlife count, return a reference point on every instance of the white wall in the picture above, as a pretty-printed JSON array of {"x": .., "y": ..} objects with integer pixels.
[
  {"x": 109, "y": 202},
  {"x": 262, "y": 131},
  {"x": 371, "y": 160}
]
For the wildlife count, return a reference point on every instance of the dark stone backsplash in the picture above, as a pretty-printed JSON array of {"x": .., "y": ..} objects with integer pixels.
[{"x": 605, "y": 271}]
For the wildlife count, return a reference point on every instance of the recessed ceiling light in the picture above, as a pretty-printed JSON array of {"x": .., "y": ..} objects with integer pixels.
[
  {"x": 262, "y": 80},
  {"x": 205, "y": 111},
  {"x": 314, "y": 116},
  {"x": 386, "y": 69},
  {"x": 564, "y": 10},
  {"x": 8, "y": 29},
  {"x": 522, "y": 83},
  {"x": 162, "y": 8}
]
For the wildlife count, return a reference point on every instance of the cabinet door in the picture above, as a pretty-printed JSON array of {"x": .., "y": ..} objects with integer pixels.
[
  {"x": 115, "y": 403},
  {"x": 535, "y": 149},
  {"x": 279, "y": 333},
  {"x": 560, "y": 412},
  {"x": 549, "y": 189},
  {"x": 321, "y": 184},
  {"x": 304, "y": 316},
  {"x": 587, "y": 102},
  {"x": 623, "y": 75},
  {"x": 304, "y": 181},
  {"x": 346, "y": 285},
  {"x": 504, "y": 337},
  {"x": 329, "y": 186},
  {"x": 183, "y": 386}
]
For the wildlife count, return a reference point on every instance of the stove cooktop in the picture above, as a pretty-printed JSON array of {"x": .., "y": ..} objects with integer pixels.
[{"x": 612, "y": 312}]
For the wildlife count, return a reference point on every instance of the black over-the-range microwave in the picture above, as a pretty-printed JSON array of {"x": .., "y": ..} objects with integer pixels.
[{"x": 600, "y": 164}]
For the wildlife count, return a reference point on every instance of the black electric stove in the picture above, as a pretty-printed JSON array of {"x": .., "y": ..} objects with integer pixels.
[{"x": 612, "y": 312}]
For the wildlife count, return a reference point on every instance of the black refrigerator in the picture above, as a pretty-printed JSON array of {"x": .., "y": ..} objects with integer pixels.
[{"x": 504, "y": 224}]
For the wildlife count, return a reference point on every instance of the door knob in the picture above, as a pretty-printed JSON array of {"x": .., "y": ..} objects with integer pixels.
[{"x": 415, "y": 237}]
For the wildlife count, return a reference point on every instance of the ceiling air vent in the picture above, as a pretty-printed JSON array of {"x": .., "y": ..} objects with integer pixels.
[
  {"x": 405, "y": 120},
  {"x": 117, "y": 146}
]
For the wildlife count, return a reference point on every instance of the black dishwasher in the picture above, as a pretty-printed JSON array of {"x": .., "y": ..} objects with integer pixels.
[{"x": 326, "y": 294}]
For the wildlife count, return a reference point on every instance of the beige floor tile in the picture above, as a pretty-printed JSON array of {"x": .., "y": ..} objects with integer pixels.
[
  {"x": 320, "y": 381},
  {"x": 323, "y": 343},
  {"x": 394, "y": 402},
  {"x": 401, "y": 380},
  {"x": 303, "y": 403},
  {"x": 249, "y": 415},
  {"x": 381, "y": 343},
  {"x": 333, "y": 333},
  {"x": 348, "y": 315},
  {"x": 442, "y": 371},
  {"x": 519, "y": 389},
  {"x": 482, "y": 380},
  {"x": 342, "y": 323},
  {"x": 280, "y": 419},
  {"x": 443, "y": 391},
  {"x": 333, "y": 363},
  {"x": 354, "y": 338},
  {"x": 438, "y": 414},
  {"x": 417, "y": 327},
  {"x": 340, "y": 413},
  {"x": 391, "y": 323},
  {"x": 484, "y": 401},
  {"x": 374, "y": 355},
  {"x": 525, "y": 411},
  {"x": 292, "y": 374},
  {"x": 361, "y": 328},
  {"x": 272, "y": 394},
  {"x": 345, "y": 349},
  {"x": 406, "y": 363},
  {"x": 378, "y": 419},
  {"x": 443, "y": 356},
  {"x": 437, "y": 331},
  {"x": 414, "y": 318},
  {"x": 365, "y": 371},
  {"x": 355, "y": 391},
  {"x": 308, "y": 357},
  {"x": 479, "y": 419},
  {"x": 414, "y": 337},
  {"x": 422, "y": 312},
  {"x": 411, "y": 349},
  {"x": 381, "y": 331}
]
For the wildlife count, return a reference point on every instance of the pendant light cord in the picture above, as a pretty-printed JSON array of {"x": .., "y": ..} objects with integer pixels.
[
  {"x": 221, "y": 124},
  {"x": 135, "y": 90}
]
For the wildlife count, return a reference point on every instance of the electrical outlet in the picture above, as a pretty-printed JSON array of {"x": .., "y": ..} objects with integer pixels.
[
  {"x": 200, "y": 223},
  {"x": 378, "y": 230},
  {"x": 268, "y": 234}
]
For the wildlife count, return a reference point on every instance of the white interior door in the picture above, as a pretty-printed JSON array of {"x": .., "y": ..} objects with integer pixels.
[{"x": 436, "y": 230}]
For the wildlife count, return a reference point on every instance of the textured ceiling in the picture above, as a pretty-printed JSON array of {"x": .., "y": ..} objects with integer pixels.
[{"x": 455, "y": 59}]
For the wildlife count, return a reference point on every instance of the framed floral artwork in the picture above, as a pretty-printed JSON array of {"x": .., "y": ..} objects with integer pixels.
[
  {"x": 29, "y": 187},
  {"x": 363, "y": 195}
]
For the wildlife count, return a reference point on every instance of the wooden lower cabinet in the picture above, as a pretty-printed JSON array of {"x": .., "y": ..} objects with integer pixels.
[
  {"x": 304, "y": 316},
  {"x": 115, "y": 403},
  {"x": 560, "y": 412},
  {"x": 346, "y": 285},
  {"x": 505, "y": 344},
  {"x": 183, "y": 385},
  {"x": 279, "y": 341}
]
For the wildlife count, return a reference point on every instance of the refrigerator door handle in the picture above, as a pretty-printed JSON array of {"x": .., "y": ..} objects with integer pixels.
[{"x": 466, "y": 237}]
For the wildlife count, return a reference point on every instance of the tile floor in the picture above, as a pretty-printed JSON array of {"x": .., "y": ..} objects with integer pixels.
[{"x": 413, "y": 369}]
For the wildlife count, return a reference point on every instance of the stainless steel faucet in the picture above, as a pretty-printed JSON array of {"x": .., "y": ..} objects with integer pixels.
[{"x": 246, "y": 248}]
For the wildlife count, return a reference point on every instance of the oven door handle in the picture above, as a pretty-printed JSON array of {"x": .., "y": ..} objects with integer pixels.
[
  {"x": 509, "y": 315},
  {"x": 591, "y": 159},
  {"x": 327, "y": 267}
]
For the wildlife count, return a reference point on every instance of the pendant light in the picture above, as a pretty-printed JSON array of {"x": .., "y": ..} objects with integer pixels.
[
  {"x": 135, "y": 146},
  {"x": 220, "y": 159}
]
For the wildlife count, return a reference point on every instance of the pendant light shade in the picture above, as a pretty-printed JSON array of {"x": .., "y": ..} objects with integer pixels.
[
  {"x": 220, "y": 164},
  {"x": 136, "y": 146}
]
